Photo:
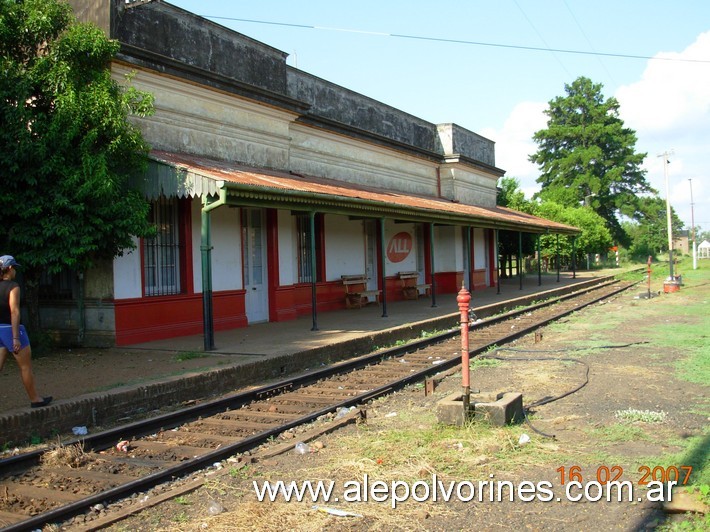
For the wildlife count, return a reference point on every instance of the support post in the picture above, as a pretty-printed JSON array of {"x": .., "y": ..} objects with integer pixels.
[
  {"x": 433, "y": 270},
  {"x": 648, "y": 275},
  {"x": 468, "y": 274},
  {"x": 539, "y": 263},
  {"x": 692, "y": 226},
  {"x": 669, "y": 225},
  {"x": 314, "y": 294},
  {"x": 574, "y": 258},
  {"x": 81, "y": 308},
  {"x": 463, "y": 299},
  {"x": 497, "y": 256},
  {"x": 520, "y": 258},
  {"x": 383, "y": 262},
  {"x": 557, "y": 257},
  {"x": 206, "y": 257}
]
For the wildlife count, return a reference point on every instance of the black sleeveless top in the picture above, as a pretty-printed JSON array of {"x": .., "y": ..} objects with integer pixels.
[{"x": 5, "y": 288}]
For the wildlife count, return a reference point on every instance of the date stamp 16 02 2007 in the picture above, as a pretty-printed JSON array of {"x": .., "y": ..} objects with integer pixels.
[{"x": 659, "y": 481}]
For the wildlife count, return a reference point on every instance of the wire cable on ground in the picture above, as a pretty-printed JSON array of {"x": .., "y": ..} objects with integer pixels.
[{"x": 547, "y": 400}]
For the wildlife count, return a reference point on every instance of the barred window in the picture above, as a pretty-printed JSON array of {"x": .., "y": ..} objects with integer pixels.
[
  {"x": 305, "y": 263},
  {"x": 306, "y": 268},
  {"x": 57, "y": 286},
  {"x": 161, "y": 254}
]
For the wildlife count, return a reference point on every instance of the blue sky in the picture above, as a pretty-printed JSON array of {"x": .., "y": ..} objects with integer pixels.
[{"x": 398, "y": 52}]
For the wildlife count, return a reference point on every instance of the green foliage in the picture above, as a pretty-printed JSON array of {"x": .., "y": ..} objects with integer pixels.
[
  {"x": 649, "y": 233},
  {"x": 190, "y": 355},
  {"x": 595, "y": 236},
  {"x": 66, "y": 147},
  {"x": 586, "y": 152},
  {"x": 509, "y": 242},
  {"x": 485, "y": 363},
  {"x": 510, "y": 195},
  {"x": 618, "y": 432}
]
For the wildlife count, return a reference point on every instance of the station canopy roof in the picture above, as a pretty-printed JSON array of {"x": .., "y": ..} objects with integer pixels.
[{"x": 183, "y": 175}]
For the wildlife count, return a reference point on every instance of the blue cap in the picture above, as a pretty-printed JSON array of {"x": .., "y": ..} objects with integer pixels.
[{"x": 7, "y": 260}]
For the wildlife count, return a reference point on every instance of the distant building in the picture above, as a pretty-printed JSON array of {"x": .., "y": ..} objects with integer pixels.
[
  {"x": 681, "y": 242},
  {"x": 268, "y": 185},
  {"x": 704, "y": 250}
]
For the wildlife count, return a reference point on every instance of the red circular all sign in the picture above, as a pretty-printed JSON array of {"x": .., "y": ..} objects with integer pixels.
[{"x": 399, "y": 247}]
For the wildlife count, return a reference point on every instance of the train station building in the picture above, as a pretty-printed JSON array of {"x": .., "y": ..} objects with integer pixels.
[{"x": 277, "y": 194}]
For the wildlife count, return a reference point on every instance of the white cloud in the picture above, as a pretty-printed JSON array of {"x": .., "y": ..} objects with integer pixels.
[
  {"x": 515, "y": 143},
  {"x": 669, "y": 108},
  {"x": 672, "y": 93}
]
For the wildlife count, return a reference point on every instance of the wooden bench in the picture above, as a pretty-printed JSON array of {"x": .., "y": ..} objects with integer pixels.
[
  {"x": 356, "y": 292},
  {"x": 410, "y": 288}
]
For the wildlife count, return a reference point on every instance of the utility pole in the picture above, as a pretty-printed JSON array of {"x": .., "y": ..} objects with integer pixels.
[
  {"x": 692, "y": 226},
  {"x": 665, "y": 156}
]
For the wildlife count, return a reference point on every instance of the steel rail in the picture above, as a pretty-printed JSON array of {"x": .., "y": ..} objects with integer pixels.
[
  {"x": 108, "y": 438},
  {"x": 105, "y": 439}
]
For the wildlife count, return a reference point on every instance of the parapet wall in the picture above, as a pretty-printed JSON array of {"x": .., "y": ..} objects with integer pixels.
[{"x": 163, "y": 37}]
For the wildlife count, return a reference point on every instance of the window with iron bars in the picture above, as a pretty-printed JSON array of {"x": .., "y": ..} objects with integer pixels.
[
  {"x": 306, "y": 268},
  {"x": 161, "y": 254},
  {"x": 60, "y": 286}
]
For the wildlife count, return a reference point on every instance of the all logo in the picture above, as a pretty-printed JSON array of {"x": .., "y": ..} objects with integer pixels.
[{"x": 399, "y": 247}]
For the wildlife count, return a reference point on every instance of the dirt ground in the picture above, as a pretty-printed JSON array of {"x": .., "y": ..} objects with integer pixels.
[
  {"x": 645, "y": 407},
  {"x": 638, "y": 354},
  {"x": 57, "y": 375}
]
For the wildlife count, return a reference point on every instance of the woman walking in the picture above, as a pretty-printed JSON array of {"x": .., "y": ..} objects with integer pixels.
[{"x": 13, "y": 337}]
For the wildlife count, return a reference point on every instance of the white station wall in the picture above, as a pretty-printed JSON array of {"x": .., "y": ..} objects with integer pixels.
[
  {"x": 344, "y": 247},
  {"x": 448, "y": 249},
  {"x": 288, "y": 267},
  {"x": 225, "y": 236},
  {"x": 127, "y": 274},
  {"x": 226, "y": 239},
  {"x": 480, "y": 260}
]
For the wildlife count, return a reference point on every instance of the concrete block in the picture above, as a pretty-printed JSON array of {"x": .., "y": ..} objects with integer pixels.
[
  {"x": 507, "y": 408},
  {"x": 496, "y": 408},
  {"x": 449, "y": 410}
]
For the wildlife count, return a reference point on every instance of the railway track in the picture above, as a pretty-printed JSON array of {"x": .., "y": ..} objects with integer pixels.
[{"x": 52, "y": 485}]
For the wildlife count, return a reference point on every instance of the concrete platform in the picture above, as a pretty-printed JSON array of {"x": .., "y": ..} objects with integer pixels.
[
  {"x": 270, "y": 351},
  {"x": 296, "y": 336}
]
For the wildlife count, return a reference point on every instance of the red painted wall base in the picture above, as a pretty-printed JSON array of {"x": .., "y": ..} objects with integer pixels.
[{"x": 156, "y": 318}]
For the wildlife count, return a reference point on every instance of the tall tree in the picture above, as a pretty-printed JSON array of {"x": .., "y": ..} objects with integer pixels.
[
  {"x": 66, "y": 147},
  {"x": 587, "y": 156}
]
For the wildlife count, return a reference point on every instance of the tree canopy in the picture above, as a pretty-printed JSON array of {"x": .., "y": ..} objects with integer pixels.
[
  {"x": 594, "y": 237},
  {"x": 510, "y": 242},
  {"x": 509, "y": 195},
  {"x": 649, "y": 234},
  {"x": 586, "y": 156},
  {"x": 66, "y": 146}
]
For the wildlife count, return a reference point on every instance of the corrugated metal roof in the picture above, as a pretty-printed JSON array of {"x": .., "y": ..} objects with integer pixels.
[{"x": 189, "y": 175}]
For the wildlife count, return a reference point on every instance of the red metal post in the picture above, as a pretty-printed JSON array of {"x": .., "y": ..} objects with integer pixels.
[{"x": 463, "y": 299}]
